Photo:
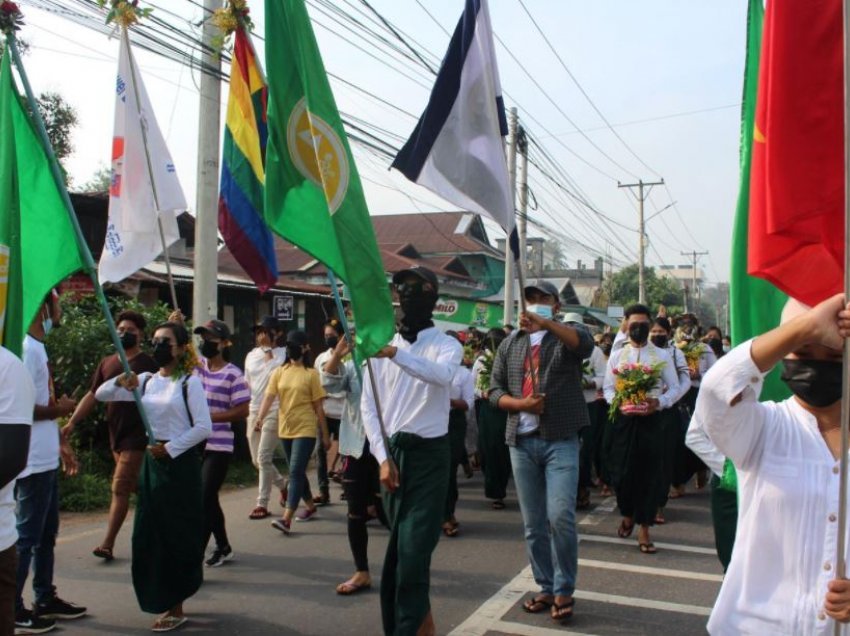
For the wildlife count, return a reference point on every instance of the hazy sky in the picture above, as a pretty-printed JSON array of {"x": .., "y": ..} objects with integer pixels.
[{"x": 666, "y": 74}]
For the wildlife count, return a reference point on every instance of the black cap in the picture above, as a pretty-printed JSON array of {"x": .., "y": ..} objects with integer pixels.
[
  {"x": 269, "y": 323},
  {"x": 543, "y": 286},
  {"x": 297, "y": 337},
  {"x": 216, "y": 328},
  {"x": 422, "y": 272}
]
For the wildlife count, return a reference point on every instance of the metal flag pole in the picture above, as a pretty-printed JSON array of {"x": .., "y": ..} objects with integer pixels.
[
  {"x": 90, "y": 267},
  {"x": 126, "y": 37},
  {"x": 840, "y": 560}
]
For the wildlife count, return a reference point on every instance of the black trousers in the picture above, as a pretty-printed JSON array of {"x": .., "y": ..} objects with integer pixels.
[
  {"x": 213, "y": 473},
  {"x": 362, "y": 486},
  {"x": 8, "y": 567}
]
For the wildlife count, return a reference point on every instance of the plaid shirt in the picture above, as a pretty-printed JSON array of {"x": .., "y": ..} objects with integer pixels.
[{"x": 564, "y": 407}]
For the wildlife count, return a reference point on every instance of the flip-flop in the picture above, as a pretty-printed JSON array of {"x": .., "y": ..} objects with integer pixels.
[
  {"x": 103, "y": 553},
  {"x": 558, "y": 608},
  {"x": 536, "y": 604},
  {"x": 450, "y": 530},
  {"x": 498, "y": 505},
  {"x": 168, "y": 623},
  {"x": 625, "y": 531},
  {"x": 259, "y": 513},
  {"x": 348, "y": 588},
  {"x": 647, "y": 548}
]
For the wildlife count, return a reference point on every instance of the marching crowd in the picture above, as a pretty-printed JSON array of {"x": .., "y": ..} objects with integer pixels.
[{"x": 559, "y": 409}]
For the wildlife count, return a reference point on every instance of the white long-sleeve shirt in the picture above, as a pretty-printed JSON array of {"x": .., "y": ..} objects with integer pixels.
[
  {"x": 598, "y": 364},
  {"x": 700, "y": 443},
  {"x": 166, "y": 409},
  {"x": 682, "y": 371},
  {"x": 666, "y": 392},
  {"x": 788, "y": 482},
  {"x": 413, "y": 388},
  {"x": 258, "y": 370}
]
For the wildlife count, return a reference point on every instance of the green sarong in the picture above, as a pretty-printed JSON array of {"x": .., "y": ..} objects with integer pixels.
[
  {"x": 724, "y": 517},
  {"x": 415, "y": 511},
  {"x": 168, "y": 532},
  {"x": 457, "y": 451},
  {"x": 492, "y": 450}
]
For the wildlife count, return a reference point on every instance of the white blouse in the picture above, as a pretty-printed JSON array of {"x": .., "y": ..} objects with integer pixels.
[
  {"x": 785, "y": 545},
  {"x": 166, "y": 409},
  {"x": 667, "y": 390}
]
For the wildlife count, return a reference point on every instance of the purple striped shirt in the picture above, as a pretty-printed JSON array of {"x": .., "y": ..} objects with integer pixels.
[{"x": 225, "y": 388}]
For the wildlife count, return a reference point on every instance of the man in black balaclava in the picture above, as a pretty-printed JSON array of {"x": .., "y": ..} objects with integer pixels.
[{"x": 413, "y": 376}]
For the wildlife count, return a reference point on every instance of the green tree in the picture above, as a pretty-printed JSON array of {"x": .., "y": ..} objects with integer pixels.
[
  {"x": 100, "y": 181},
  {"x": 60, "y": 118},
  {"x": 622, "y": 289}
]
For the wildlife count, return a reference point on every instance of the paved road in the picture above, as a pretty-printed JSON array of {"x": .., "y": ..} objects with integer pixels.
[{"x": 285, "y": 585}]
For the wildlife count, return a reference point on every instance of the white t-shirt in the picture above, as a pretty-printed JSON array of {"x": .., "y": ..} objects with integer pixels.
[
  {"x": 17, "y": 399},
  {"x": 529, "y": 422},
  {"x": 334, "y": 403},
  {"x": 258, "y": 370},
  {"x": 44, "y": 440}
]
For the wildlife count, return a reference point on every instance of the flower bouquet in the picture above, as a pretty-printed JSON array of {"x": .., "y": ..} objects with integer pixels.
[
  {"x": 693, "y": 350},
  {"x": 633, "y": 387}
]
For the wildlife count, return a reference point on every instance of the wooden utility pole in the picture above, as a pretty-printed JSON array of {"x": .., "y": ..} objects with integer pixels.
[{"x": 644, "y": 188}]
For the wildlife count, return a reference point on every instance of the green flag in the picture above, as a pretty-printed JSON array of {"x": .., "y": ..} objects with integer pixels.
[
  {"x": 754, "y": 304},
  {"x": 314, "y": 198},
  {"x": 34, "y": 222}
]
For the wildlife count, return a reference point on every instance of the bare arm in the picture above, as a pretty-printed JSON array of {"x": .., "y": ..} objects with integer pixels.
[{"x": 83, "y": 410}]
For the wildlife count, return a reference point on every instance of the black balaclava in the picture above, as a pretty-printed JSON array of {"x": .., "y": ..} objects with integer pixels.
[{"x": 417, "y": 306}]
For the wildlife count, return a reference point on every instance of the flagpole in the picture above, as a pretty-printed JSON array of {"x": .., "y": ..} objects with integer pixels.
[
  {"x": 840, "y": 561},
  {"x": 90, "y": 267},
  {"x": 126, "y": 37},
  {"x": 341, "y": 312}
]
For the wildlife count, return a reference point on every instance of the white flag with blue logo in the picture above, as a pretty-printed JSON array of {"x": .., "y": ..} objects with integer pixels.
[
  {"x": 132, "y": 235},
  {"x": 457, "y": 148}
]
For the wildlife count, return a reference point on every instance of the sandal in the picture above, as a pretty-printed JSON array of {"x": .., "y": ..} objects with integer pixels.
[
  {"x": 537, "y": 604},
  {"x": 259, "y": 513},
  {"x": 103, "y": 553},
  {"x": 450, "y": 530},
  {"x": 168, "y": 623},
  {"x": 561, "y": 612},
  {"x": 659, "y": 519},
  {"x": 498, "y": 505},
  {"x": 606, "y": 491},
  {"x": 625, "y": 531},
  {"x": 349, "y": 587},
  {"x": 647, "y": 548}
]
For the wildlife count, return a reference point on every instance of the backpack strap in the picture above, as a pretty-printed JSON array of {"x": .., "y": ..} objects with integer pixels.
[
  {"x": 145, "y": 383},
  {"x": 185, "y": 389}
]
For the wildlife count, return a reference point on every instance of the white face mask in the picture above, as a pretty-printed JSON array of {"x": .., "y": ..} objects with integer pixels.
[{"x": 544, "y": 311}]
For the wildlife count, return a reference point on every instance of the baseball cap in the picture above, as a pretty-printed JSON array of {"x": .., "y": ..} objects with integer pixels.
[
  {"x": 543, "y": 286},
  {"x": 421, "y": 272},
  {"x": 269, "y": 323},
  {"x": 215, "y": 328},
  {"x": 573, "y": 317}
]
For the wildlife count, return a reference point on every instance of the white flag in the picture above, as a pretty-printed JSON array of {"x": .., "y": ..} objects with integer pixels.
[
  {"x": 132, "y": 233},
  {"x": 456, "y": 149}
]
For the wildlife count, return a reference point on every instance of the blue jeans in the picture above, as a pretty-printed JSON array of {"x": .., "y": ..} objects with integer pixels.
[
  {"x": 37, "y": 512},
  {"x": 298, "y": 451},
  {"x": 546, "y": 478}
]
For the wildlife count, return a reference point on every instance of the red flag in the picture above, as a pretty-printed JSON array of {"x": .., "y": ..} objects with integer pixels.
[{"x": 796, "y": 226}]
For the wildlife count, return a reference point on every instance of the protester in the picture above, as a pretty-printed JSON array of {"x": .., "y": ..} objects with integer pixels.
[
  {"x": 228, "y": 397},
  {"x": 781, "y": 579},
  {"x": 298, "y": 391},
  {"x": 169, "y": 536},
  {"x": 360, "y": 478},
  {"x": 674, "y": 419},
  {"x": 37, "y": 488},
  {"x": 492, "y": 422},
  {"x": 537, "y": 380},
  {"x": 333, "y": 407},
  {"x": 461, "y": 402},
  {"x": 637, "y": 450},
  {"x": 413, "y": 377},
  {"x": 604, "y": 424},
  {"x": 127, "y": 436},
  {"x": 593, "y": 373},
  {"x": 17, "y": 401},
  {"x": 262, "y": 434}
]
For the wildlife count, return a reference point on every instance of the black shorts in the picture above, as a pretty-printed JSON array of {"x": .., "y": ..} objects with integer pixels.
[{"x": 333, "y": 427}]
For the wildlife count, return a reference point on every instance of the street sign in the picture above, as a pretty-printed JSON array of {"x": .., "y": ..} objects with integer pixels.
[{"x": 283, "y": 307}]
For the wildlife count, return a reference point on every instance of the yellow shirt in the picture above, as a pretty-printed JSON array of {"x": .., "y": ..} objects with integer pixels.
[{"x": 297, "y": 388}]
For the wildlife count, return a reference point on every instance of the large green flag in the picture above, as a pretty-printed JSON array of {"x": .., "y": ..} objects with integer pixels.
[
  {"x": 755, "y": 305},
  {"x": 34, "y": 223},
  {"x": 314, "y": 198}
]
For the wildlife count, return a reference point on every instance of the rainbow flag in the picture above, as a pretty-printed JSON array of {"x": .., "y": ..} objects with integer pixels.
[{"x": 243, "y": 172}]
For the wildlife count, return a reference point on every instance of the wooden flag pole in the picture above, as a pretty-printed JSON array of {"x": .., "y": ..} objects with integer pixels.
[
  {"x": 840, "y": 561},
  {"x": 126, "y": 37},
  {"x": 91, "y": 269}
]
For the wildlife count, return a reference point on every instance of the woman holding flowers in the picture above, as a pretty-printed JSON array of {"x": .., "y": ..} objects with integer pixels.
[{"x": 640, "y": 382}]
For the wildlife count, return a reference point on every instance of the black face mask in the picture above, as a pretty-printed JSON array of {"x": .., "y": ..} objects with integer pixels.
[
  {"x": 294, "y": 352},
  {"x": 639, "y": 332},
  {"x": 209, "y": 349},
  {"x": 816, "y": 382},
  {"x": 162, "y": 354},
  {"x": 129, "y": 340},
  {"x": 606, "y": 349},
  {"x": 331, "y": 341},
  {"x": 659, "y": 341}
]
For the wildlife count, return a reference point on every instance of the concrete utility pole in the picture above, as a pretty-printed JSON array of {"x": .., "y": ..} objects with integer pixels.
[
  {"x": 641, "y": 197},
  {"x": 509, "y": 260},
  {"x": 205, "y": 291},
  {"x": 694, "y": 255},
  {"x": 522, "y": 177}
]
